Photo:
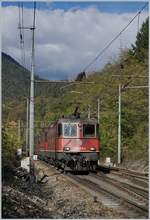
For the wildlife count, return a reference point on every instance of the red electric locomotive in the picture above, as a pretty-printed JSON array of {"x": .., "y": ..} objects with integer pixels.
[{"x": 71, "y": 143}]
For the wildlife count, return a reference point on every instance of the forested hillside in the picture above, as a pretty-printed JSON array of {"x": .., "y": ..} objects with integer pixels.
[
  {"x": 15, "y": 89},
  {"x": 51, "y": 102}
]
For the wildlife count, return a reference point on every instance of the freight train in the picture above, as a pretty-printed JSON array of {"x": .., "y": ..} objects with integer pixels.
[{"x": 70, "y": 143}]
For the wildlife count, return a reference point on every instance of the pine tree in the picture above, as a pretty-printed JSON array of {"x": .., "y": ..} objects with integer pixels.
[{"x": 140, "y": 49}]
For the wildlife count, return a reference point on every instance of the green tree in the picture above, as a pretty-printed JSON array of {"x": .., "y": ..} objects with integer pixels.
[
  {"x": 140, "y": 49},
  {"x": 9, "y": 146}
]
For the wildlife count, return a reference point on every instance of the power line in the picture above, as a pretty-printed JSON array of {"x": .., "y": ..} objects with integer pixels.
[
  {"x": 64, "y": 81},
  {"x": 109, "y": 44},
  {"x": 129, "y": 76}
]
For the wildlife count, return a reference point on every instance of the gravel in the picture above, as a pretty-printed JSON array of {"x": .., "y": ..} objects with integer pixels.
[{"x": 57, "y": 198}]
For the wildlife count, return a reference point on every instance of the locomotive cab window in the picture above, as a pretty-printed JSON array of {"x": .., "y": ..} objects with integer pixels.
[
  {"x": 59, "y": 129},
  {"x": 88, "y": 130},
  {"x": 70, "y": 130}
]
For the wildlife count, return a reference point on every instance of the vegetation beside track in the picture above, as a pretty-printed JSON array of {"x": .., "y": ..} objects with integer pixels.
[
  {"x": 51, "y": 102},
  {"x": 10, "y": 144}
]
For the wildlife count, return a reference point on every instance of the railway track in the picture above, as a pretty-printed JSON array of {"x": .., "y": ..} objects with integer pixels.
[
  {"x": 135, "y": 178},
  {"x": 130, "y": 199},
  {"x": 131, "y": 189},
  {"x": 142, "y": 175},
  {"x": 130, "y": 174},
  {"x": 133, "y": 172},
  {"x": 113, "y": 194}
]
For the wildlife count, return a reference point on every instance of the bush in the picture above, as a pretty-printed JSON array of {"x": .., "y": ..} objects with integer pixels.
[{"x": 10, "y": 145}]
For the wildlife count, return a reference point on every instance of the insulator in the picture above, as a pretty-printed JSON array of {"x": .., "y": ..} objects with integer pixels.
[{"x": 21, "y": 36}]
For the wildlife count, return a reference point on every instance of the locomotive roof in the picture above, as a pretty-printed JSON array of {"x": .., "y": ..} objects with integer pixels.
[
  {"x": 73, "y": 120},
  {"x": 61, "y": 120}
]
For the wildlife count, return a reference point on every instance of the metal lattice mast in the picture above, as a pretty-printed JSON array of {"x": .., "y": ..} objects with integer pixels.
[
  {"x": 98, "y": 110},
  {"x": 27, "y": 127},
  {"x": 31, "y": 123},
  {"x": 119, "y": 125},
  {"x": 89, "y": 112},
  {"x": 122, "y": 89},
  {"x": 19, "y": 131}
]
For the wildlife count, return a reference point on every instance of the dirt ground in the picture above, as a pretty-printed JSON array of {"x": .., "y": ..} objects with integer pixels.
[
  {"x": 57, "y": 198},
  {"x": 138, "y": 165}
]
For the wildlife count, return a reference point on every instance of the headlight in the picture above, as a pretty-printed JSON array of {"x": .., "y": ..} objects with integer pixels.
[
  {"x": 92, "y": 149},
  {"x": 66, "y": 148}
]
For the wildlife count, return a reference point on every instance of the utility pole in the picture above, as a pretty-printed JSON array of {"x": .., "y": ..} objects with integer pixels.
[
  {"x": 27, "y": 127},
  {"x": 31, "y": 106},
  {"x": 31, "y": 123},
  {"x": 119, "y": 125},
  {"x": 149, "y": 107},
  {"x": 89, "y": 112},
  {"x": 98, "y": 110},
  {"x": 119, "y": 115},
  {"x": 19, "y": 130}
]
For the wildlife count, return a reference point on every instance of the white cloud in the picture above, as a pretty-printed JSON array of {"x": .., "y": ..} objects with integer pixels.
[{"x": 66, "y": 41}]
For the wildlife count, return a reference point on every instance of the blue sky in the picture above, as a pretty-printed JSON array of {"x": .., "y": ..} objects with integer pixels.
[
  {"x": 66, "y": 41},
  {"x": 110, "y": 7}
]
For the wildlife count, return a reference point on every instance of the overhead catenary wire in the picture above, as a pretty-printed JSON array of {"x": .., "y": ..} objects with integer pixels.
[{"x": 114, "y": 39}]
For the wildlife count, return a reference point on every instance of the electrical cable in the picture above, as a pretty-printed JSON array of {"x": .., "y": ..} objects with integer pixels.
[{"x": 109, "y": 44}]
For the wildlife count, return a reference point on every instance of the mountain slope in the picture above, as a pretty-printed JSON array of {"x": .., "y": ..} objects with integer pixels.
[
  {"x": 16, "y": 87},
  {"x": 130, "y": 70},
  {"x": 15, "y": 79}
]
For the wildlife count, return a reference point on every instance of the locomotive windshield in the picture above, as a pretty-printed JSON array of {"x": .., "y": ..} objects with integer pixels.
[
  {"x": 89, "y": 130},
  {"x": 70, "y": 130}
]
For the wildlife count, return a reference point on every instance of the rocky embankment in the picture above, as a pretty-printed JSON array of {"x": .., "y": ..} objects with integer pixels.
[{"x": 56, "y": 197}]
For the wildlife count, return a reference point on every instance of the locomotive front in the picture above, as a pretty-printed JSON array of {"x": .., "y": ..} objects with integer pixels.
[{"x": 77, "y": 144}]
